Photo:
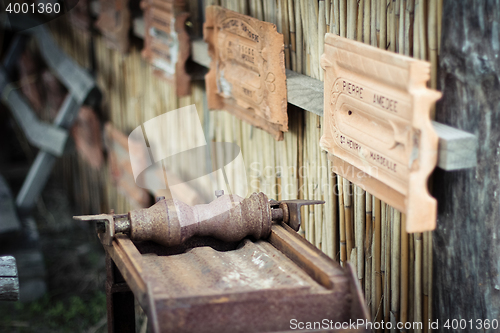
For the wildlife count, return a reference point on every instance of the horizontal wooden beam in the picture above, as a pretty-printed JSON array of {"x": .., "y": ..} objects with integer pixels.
[{"x": 457, "y": 149}]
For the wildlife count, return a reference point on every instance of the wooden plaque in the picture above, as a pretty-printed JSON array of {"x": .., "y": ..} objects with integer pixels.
[
  {"x": 247, "y": 72},
  {"x": 114, "y": 23},
  {"x": 377, "y": 127},
  {"x": 120, "y": 167},
  {"x": 80, "y": 16},
  {"x": 166, "y": 41}
]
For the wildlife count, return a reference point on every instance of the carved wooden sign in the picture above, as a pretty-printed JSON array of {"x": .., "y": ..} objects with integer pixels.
[
  {"x": 80, "y": 15},
  {"x": 166, "y": 41},
  {"x": 247, "y": 72},
  {"x": 86, "y": 133},
  {"x": 377, "y": 127},
  {"x": 114, "y": 23},
  {"x": 120, "y": 167}
]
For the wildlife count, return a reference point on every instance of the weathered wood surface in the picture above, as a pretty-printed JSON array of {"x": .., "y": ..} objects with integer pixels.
[
  {"x": 9, "y": 282},
  {"x": 466, "y": 245}
]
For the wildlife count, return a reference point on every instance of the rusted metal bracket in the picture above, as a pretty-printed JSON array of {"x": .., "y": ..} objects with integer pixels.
[{"x": 291, "y": 210}]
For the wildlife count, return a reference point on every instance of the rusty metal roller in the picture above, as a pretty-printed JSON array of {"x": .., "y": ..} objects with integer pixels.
[{"x": 229, "y": 218}]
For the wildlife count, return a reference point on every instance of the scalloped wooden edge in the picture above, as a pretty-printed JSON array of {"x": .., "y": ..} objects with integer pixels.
[
  {"x": 116, "y": 36},
  {"x": 181, "y": 80},
  {"x": 419, "y": 206},
  {"x": 217, "y": 102}
]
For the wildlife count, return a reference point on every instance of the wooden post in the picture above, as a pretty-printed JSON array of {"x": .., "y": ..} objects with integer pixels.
[
  {"x": 9, "y": 282},
  {"x": 119, "y": 299},
  {"x": 466, "y": 244}
]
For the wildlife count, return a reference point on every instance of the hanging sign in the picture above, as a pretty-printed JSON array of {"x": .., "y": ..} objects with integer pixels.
[
  {"x": 377, "y": 127},
  {"x": 114, "y": 23},
  {"x": 247, "y": 72},
  {"x": 166, "y": 41},
  {"x": 120, "y": 167}
]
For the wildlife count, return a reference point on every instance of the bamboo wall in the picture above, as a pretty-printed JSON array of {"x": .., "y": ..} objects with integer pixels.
[{"x": 394, "y": 268}]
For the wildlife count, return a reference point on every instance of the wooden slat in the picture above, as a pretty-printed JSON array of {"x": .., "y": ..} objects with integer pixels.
[
  {"x": 305, "y": 255},
  {"x": 457, "y": 149},
  {"x": 199, "y": 52},
  {"x": 129, "y": 261},
  {"x": 304, "y": 92}
]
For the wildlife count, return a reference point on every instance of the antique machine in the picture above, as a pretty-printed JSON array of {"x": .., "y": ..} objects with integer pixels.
[{"x": 233, "y": 265}]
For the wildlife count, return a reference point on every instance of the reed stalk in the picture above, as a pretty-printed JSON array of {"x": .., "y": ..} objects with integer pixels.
[
  {"x": 293, "y": 35},
  {"x": 376, "y": 217},
  {"x": 348, "y": 217},
  {"x": 382, "y": 12},
  {"x": 391, "y": 17},
  {"x": 359, "y": 21},
  {"x": 439, "y": 23},
  {"x": 368, "y": 251},
  {"x": 433, "y": 43},
  {"x": 351, "y": 19},
  {"x": 343, "y": 18},
  {"x": 299, "y": 49},
  {"x": 404, "y": 271},
  {"x": 359, "y": 222},
  {"x": 367, "y": 13},
  {"x": 418, "y": 315},
  {"x": 335, "y": 16},
  {"x": 388, "y": 268},
  {"x": 425, "y": 277},
  {"x": 373, "y": 23},
  {"x": 395, "y": 265},
  {"x": 342, "y": 224},
  {"x": 321, "y": 36}
]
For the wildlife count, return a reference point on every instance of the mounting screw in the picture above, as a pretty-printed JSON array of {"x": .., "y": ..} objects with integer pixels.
[
  {"x": 219, "y": 193},
  {"x": 160, "y": 198}
]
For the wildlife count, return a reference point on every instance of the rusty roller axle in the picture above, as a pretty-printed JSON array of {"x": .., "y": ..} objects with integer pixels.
[{"x": 229, "y": 218}]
